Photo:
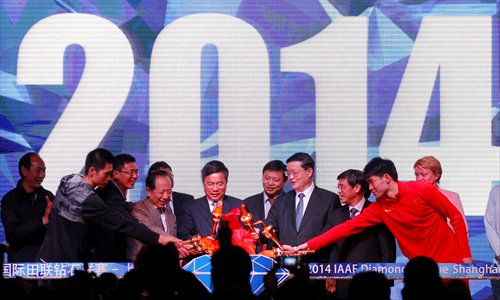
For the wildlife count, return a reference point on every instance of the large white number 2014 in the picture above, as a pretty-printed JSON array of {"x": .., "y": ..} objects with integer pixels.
[{"x": 337, "y": 60}]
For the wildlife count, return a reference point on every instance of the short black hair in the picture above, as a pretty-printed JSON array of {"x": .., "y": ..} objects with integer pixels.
[
  {"x": 151, "y": 178},
  {"x": 158, "y": 166},
  {"x": 356, "y": 177},
  {"x": 212, "y": 167},
  {"x": 305, "y": 159},
  {"x": 379, "y": 166},
  {"x": 275, "y": 165},
  {"x": 25, "y": 161},
  {"x": 98, "y": 158},
  {"x": 121, "y": 160}
]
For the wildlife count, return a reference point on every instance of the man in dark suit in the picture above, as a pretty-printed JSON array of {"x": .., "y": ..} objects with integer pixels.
[
  {"x": 273, "y": 180},
  {"x": 198, "y": 213},
  {"x": 179, "y": 200},
  {"x": 108, "y": 245},
  {"x": 376, "y": 244},
  {"x": 304, "y": 212}
]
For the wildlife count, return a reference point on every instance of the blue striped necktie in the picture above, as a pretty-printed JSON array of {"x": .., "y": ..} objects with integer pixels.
[{"x": 300, "y": 211}]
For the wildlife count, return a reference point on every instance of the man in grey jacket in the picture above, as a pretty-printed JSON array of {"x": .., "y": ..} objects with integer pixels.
[{"x": 77, "y": 206}]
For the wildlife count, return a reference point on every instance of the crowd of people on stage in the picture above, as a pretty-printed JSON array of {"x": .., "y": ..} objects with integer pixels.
[{"x": 90, "y": 219}]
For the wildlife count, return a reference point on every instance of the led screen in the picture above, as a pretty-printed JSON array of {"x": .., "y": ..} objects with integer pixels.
[{"x": 250, "y": 81}]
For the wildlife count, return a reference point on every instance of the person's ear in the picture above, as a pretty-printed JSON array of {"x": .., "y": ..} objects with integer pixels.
[
  {"x": 357, "y": 188},
  {"x": 92, "y": 171},
  {"x": 387, "y": 178},
  {"x": 24, "y": 171}
]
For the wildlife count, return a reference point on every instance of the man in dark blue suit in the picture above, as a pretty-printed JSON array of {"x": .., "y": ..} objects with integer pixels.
[
  {"x": 178, "y": 200},
  {"x": 376, "y": 244},
  {"x": 305, "y": 212},
  {"x": 273, "y": 180},
  {"x": 198, "y": 213}
]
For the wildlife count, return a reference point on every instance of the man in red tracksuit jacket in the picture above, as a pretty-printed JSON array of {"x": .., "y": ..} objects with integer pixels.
[{"x": 415, "y": 213}]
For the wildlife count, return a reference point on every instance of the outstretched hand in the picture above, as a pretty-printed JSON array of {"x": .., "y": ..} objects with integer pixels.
[
  {"x": 302, "y": 247},
  {"x": 255, "y": 235},
  {"x": 183, "y": 250},
  {"x": 165, "y": 239}
]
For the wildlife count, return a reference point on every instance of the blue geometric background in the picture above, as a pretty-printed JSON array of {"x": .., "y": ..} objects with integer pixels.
[{"x": 28, "y": 113}]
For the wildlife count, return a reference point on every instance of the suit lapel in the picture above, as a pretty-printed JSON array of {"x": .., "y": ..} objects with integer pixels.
[
  {"x": 153, "y": 212},
  {"x": 261, "y": 210},
  {"x": 256, "y": 207},
  {"x": 309, "y": 211},
  {"x": 156, "y": 213},
  {"x": 311, "y": 208},
  {"x": 205, "y": 215},
  {"x": 290, "y": 208},
  {"x": 345, "y": 213},
  {"x": 226, "y": 206}
]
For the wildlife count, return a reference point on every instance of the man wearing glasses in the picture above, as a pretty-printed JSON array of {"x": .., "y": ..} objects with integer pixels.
[
  {"x": 304, "y": 212},
  {"x": 198, "y": 213},
  {"x": 110, "y": 245},
  {"x": 377, "y": 244}
]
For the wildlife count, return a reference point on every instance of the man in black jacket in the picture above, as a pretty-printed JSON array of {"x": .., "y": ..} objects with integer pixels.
[
  {"x": 273, "y": 180},
  {"x": 198, "y": 213},
  {"x": 106, "y": 244},
  {"x": 26, "y": 209}
]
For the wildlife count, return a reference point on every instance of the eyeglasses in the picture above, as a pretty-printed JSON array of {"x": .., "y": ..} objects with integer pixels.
[
  {"x": 131, "y": 172},
  {"x": 294, "y": 173},
  {"x": 341, "y": 187}
]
